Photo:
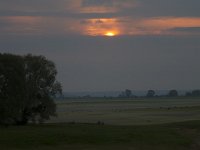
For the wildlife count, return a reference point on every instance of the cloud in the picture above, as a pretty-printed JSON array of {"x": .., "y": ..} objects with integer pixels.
[
  {"x": 141, "y": 26},
  {"x": 99, "y": 27},
  {"x": 97, "y": 63},
  {"x": 92, "y": 3},
  {"x": 131, "y": 8},
  {"x": 66, "y": 8},
  {"x": 177, "y": 8},
  {"x": 37, "y": 25},
  {"x": 69, "y": 32},
  {"x": 185, "y": 31},
  {"x": 34, "y": 6},
  {"x": 105, "y": 6},
  {"x": 162, "y": 24},
  {"x": 20, "y": 25},
  {"x": 47, "y": 25},
  {"x": 91, "y": 17}
]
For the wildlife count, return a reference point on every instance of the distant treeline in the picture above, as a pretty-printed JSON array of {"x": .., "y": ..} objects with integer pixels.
[{"x": 151, "y": 93}]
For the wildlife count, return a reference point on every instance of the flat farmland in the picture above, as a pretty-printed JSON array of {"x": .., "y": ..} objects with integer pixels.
[
  {"x": 127, "y": 111},
  {"x": 129, "y": 124}
]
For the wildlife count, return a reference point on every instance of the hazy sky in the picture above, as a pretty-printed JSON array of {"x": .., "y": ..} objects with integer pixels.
[{"x": 101, "y": 45}]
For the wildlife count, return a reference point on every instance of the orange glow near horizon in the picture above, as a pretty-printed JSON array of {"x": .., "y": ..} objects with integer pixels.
[
  {"x": 107, "y": 27},
  {"x": 109, "y": 34},
  {"x": 171, "y": 22},
  {"x": 102, "y": 27}
]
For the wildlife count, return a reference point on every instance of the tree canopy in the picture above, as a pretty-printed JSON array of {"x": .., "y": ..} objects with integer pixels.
[
  {"x": 150, "y": 93},
  {"x": 27, "y": 87},
  {"x": 173, "y": 93}
]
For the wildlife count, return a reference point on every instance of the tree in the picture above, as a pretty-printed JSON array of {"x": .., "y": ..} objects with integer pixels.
[
  {"x": 28, "y": 85},
  {"x": 187, "y": 94},
  {"x": 173, "y": 93},
  {"x": 128, "y": 93},
  {"x": 151, "y": 93},
  {"x": 196, "y": 93},
  {"x": 12, "y": 88}
]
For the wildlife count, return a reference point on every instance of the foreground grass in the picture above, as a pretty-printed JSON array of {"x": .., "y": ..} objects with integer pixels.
[{"x": 176, "y": 136}]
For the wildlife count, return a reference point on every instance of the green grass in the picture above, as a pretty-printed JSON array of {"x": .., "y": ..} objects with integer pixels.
[
  {"x": 176, "y": 136},
  {"x": 130, "y": 124},
  {"x": 128, "y": 111}
]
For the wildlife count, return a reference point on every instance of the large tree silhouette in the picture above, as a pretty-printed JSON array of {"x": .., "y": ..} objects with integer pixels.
[{"x": 27, "y": 86}]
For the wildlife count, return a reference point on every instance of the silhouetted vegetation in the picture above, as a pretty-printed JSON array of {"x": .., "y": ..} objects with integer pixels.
[
  {"x": 173, "y": 93},
  {"x": 27, "y": 86},
  {"x": 194, "y": 93},
  {"x": 126, "y": 94},
  {"x": 151, "y": 93}
]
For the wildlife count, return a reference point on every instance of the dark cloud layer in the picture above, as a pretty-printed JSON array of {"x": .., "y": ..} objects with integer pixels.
[
  {"x": 86, "y": 63},
  {"x": 89, "y": 3},
  {"x": 157, "y": 42},
  {"x": 148, "y": 8},
  {"x": 168, "y": 8}
]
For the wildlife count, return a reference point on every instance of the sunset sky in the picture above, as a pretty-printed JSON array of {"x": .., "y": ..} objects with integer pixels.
[{"x": 106, "y": 45}]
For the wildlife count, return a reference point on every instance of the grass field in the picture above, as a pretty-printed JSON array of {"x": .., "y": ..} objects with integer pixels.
[
  {"x": 175, "y": 136},
  {"x": 128, "y": 112},
  {"x": 138, "y": 124}
]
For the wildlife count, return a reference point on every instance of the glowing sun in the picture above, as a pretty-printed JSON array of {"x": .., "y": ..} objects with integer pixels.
[{"x": 109, "y": 34}]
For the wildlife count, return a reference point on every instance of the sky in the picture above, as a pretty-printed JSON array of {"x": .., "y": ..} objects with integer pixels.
[{"x": 108, "y": 45}]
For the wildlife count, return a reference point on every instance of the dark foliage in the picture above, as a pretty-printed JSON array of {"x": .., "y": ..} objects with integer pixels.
[
  {"x": 126, "y": 94},
  {"x": 151, "y": 93},
  {"x": 27, "y": 86},
  {"x": 196, "y": 93},
  {"x": 173, "y": 93}
]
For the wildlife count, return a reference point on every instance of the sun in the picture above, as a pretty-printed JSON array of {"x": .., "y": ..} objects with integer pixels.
[{"x": 110, "y": 34}]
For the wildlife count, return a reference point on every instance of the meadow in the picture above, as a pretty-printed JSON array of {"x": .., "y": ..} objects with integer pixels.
[
  {"x": 174, "y": 136},
  {"x": 140, "y": 111},
  {"x": 112, "y": 124}
]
